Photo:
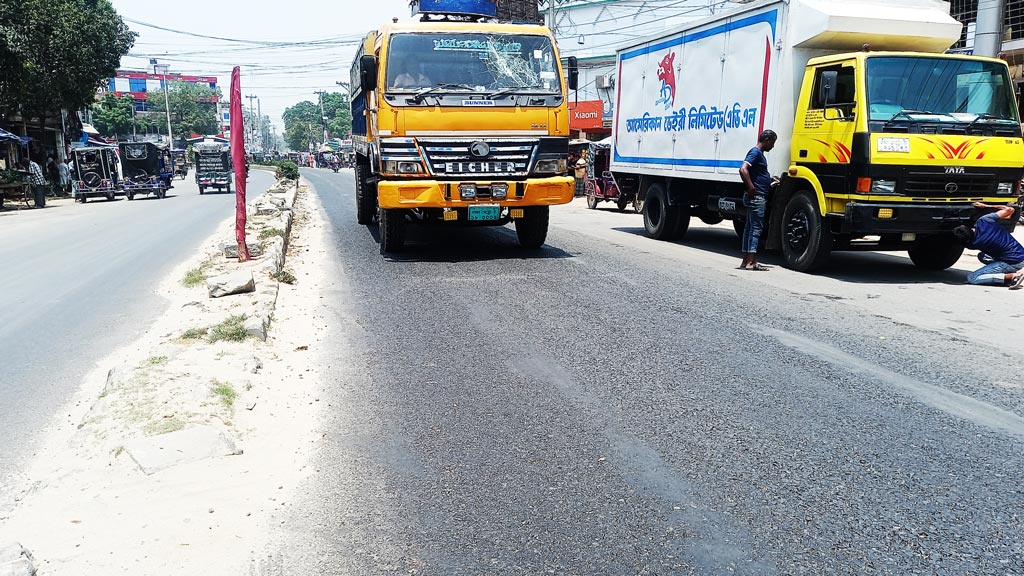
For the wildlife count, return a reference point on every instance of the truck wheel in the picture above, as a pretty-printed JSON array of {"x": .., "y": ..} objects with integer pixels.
[
  {"x": 366, "y": 198},
  {"x": 392, "y": 230},
  {"x": 622, "y": 204},
  {"x": 806, "y": 240},
  {"x": 202, "y": 190},
  {"x": 660, "y": 220},
  {"x": 131, "y": 196},
  {"x": 532, "y": 228},
  {"x": 638, "y": 204},
  {"x": 935, "y": 252},
  {"x": 711, "y": 219}
]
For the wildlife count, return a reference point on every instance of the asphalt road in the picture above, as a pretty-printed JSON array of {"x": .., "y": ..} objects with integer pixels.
[
  {"x": 79, "y": 281},
  {"x": 614, "y": 405}
]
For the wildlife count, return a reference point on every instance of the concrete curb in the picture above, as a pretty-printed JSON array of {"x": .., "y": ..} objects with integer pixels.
[{"x": 275, "y": 255}]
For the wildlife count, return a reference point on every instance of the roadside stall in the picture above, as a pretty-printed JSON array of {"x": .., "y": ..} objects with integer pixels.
[{"x": 13, "y": 182}]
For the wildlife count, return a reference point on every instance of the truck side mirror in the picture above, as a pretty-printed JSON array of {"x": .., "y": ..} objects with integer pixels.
[
  {"x": 368, "y": 73},
  {"x": 574, "y": 73},
  {"x": 827, "y": 94}
]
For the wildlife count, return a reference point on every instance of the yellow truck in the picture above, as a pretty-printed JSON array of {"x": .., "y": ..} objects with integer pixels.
[
  {"x": 885, "y": 140},
  {"x": 460, "y": 120}
]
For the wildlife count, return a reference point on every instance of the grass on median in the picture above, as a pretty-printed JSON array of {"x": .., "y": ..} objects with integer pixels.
[
  {"x": 284, "y": 276},
  {"x": 194, "y": 333},
  {"x": 231, "y": 330},
  {"x": 270, "y": 233},
  {"x": 224, "y": 392}
]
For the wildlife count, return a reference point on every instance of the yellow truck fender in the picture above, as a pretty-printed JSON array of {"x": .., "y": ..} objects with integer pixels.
[{"x": 802, "y": 178}]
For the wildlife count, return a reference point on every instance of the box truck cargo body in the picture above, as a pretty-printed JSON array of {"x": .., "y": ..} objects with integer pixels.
[{"x": 884, "y": 141}]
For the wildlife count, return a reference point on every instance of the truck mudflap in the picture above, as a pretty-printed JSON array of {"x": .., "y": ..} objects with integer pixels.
[
  {"x": 444, "y": 194},
  {"x": 874, "y": 218}
]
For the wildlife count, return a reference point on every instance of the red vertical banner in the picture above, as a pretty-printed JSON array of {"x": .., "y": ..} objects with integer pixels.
[{"x": 238, "y": 161}]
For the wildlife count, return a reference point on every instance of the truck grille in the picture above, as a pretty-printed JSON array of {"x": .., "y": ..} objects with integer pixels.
[
  {"x": 948, "y": 185},
  {"x": 451, "y": 158}
]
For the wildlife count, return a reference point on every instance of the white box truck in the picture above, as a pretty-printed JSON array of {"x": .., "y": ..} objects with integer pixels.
[{"x": 885, "y": 141}]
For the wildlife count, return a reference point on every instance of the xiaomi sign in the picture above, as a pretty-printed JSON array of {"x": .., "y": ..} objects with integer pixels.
[{"x": 586, "y": 115}]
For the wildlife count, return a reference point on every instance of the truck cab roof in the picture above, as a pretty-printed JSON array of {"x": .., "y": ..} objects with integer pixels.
[{"x": 865, "y": 54}]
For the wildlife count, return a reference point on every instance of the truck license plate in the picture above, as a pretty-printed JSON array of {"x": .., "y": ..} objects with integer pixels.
[{"x": 485, "y": 212}]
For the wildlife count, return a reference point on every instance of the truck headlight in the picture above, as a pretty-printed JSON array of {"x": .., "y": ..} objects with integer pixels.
[
  {"x": 499, "y": 191},
  {"x": 550, "y": 166},
  {"x": 1005, "y": 188},
  {"x": 467, "y": 191},
  {"x": 883, "y": 186},
  {"x": 402, "y": 167}
]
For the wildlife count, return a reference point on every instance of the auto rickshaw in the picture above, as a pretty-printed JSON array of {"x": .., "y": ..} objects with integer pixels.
[
  {"x": 180, "y": 160},
  {"x": 146, "y": 168},
  {"x": 600, "y": 186},
  {"x": 94, "y": 173}
]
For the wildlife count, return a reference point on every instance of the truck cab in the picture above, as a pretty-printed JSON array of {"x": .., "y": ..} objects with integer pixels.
[{"x": 895, "y": 147}]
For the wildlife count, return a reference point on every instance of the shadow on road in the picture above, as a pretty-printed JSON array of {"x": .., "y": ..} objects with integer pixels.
[
  {"x": 853, "y": 267},
  {"x": 440, "y": 244}
]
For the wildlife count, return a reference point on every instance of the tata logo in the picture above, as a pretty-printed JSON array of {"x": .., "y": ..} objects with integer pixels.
[
  {"x": 952, "y": 188},
  {"x": 955, "y": 170}
]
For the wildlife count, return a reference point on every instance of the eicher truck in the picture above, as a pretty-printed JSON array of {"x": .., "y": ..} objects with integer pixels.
[
  {"x": 460, "y": 120},
  {"x": 885, "y": 140}
]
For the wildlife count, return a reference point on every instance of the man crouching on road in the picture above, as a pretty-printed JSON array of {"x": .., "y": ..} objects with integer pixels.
[{"x": 990, "y": 237}]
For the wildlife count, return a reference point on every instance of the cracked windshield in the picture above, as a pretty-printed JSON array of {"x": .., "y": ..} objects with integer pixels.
[{"x": 511, "y": 288}]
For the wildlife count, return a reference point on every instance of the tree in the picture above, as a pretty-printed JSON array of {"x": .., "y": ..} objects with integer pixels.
[
  {"x": 56, "y": 53},
  {"x": 193, "y": 108},
  {"x": 302, "y": 125},
  {"x": 113, "y": 116},
  {"x": 339, "y": 114}
]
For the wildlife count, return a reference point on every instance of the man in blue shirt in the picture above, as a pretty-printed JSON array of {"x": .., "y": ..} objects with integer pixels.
[
  {"x": 990, "y": 237},
  {"x": 758, "y": 181}
]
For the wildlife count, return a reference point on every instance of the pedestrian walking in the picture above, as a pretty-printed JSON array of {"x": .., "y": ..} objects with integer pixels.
[
  {"x": 64, "y": 176},
  {"x": 37, "y": 180},
  {"x": 759, "y": 182},
  {"x": 990, "y": 237},
  {"x": 52, "y": 172}
]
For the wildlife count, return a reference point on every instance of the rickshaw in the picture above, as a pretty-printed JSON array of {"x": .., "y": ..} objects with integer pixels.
[
  {"x": 213, "y": 166},
  {"x": 600, "y": 186},
  {"x": 94, "y": 173},
  {"x": 146, "y": 168},
  {"x": 180, "y": 163}
]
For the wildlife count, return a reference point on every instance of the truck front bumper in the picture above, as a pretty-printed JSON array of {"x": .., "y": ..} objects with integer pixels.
[
  {"x": 445, "y": 194},
  {"x": 874, "y": 218}
]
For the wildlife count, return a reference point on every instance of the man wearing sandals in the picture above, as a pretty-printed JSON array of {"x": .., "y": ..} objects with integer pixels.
[
  {"x": 990, "y": 237},
  {"x": 759, "y": 181}
]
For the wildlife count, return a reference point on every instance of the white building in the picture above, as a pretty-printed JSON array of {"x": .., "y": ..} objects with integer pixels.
[{"x": 591, "y": 30}]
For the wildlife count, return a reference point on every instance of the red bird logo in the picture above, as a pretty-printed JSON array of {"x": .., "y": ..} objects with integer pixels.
[{"x": 667, "y": 75}]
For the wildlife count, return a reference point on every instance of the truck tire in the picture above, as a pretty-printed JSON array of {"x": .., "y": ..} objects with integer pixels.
[
  {"x": 638, "y": 204},
  {"x": 392, "y": 230},
  {"x": 661, "y": 221},
  {"x": 202, "y": 190},
  {"x": 621, "y": 204},
  {"x": 935, "y": 252},
  {"x": 532, "y": 228},
  {"x": 806, "y": 240},
  {"x": 366, "y": 202}
]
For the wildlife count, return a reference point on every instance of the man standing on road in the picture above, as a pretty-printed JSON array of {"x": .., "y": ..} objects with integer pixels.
[
  {"x": 64, "y": 176},
  {"x": 37, "y": 180},
  {"x": 759, "y": 181},
  {"x": 990, "y": 237}
]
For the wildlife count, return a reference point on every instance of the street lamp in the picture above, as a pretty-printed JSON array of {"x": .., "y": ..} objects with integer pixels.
[{"x": 161, "y": 70}]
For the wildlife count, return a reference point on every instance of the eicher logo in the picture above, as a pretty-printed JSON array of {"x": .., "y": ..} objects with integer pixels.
[{"x": 667, "y": 75}]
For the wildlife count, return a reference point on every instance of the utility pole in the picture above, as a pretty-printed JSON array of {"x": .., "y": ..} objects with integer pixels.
[
  {"x": 251, "y": 131},
  {"x": 988, "y": 37},
  {"x": 323, "y": 115},
  {"x": 259, "y": 122}
]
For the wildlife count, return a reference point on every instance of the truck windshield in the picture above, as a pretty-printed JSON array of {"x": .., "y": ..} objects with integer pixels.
[
  {"x": 948, "y": 90},
  {"x": 455, "y": 62}
]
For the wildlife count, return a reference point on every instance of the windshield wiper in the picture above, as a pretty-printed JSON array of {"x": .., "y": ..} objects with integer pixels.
[
  {"x": 984, "y": 116},
  {"x": 905, "y": 113},
  {"x": 418, "y": 96},
  {"x": 512, "y": 89}
]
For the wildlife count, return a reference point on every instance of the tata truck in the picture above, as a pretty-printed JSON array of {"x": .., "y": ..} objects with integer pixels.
[
  {"x": 460, "y": 120},
  {"x": 885, "y": 140}
]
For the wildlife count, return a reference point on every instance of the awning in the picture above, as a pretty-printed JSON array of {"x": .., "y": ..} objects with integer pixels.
[
  {"x": 88, "y": 129},
  {"x": 5, "y": 135}
]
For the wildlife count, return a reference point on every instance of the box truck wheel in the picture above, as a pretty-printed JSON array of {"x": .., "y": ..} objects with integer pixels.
[
  {"x": 935, "y": 252},
  {"x": 366, "y": 197},
  {"x": 806, "y": 240},
  {"x": 532, "y": 228},
  {"x": 660, "y": 220},
  {"x": 392, "y": 230}
]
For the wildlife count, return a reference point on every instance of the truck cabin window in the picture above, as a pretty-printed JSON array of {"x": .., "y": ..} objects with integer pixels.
[
  {"x": 457, "y": 62},
  {"x": 845, "y": 90},
  {"x": 911, "y": 91}
]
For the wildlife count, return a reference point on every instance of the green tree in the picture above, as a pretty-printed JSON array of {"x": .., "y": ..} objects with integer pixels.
[
  {"x": 193, "y": 108},
  {"x": 339, "y": 114},
  {"x": 55, "y": 53},
  {"x": 114, "y": 116},
  {"x": 302, "y": 125}
]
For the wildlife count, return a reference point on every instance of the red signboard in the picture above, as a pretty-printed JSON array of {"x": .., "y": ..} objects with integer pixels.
[{"x": 586, "y": 115}]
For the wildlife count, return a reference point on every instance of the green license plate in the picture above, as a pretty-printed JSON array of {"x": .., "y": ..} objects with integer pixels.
[{"x": 485, "y": 212}]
